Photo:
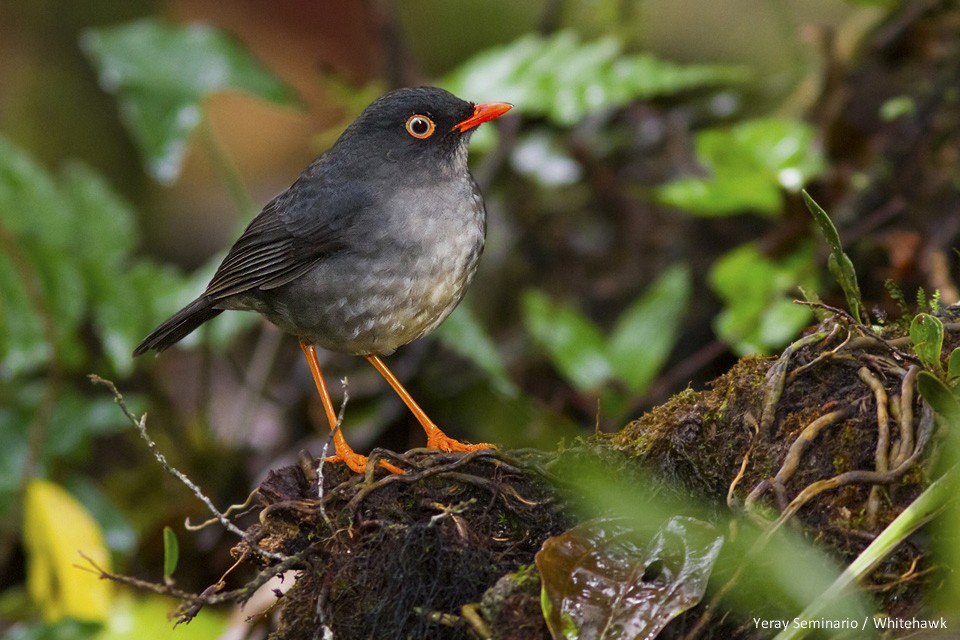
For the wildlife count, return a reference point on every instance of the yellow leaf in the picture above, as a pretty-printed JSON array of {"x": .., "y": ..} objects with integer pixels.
[
  {"x": 56, "y": 529},
  {"x": 136, "y": 617}
]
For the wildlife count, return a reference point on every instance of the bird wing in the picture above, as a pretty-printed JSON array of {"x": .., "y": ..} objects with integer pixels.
[{"x": 295, "y": 230}]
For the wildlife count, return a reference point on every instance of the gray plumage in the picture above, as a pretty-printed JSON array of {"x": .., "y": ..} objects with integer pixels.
[{"x": 372, "y": 246}]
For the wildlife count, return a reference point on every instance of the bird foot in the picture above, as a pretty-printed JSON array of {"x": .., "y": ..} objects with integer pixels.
[
  {"x": 358, "y": 463},
  {"x": 440, "y": 440}
]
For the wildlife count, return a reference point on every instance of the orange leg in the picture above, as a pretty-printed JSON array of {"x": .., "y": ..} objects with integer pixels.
[
  {"x": 344, "y": 453},
  {"x": 436, "y": 438}
]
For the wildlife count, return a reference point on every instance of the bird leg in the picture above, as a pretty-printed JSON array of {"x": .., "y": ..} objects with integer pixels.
[
  {"x": 436, "y": 438},
  {"x": 344, "y": 452}
]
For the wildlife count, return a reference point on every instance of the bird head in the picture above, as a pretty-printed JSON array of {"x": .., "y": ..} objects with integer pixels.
[{"x": 421, "y": 126}]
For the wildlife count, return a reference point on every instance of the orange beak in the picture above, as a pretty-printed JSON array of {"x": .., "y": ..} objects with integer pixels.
[{"x": 483, "y": 113}]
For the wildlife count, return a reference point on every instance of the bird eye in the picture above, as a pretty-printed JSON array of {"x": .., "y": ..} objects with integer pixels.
[{"x": 420, "y": 126}]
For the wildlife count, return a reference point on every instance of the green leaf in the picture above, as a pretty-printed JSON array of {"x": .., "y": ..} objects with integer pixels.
[
  {"x": 840, "y": 265},
  {"x": 132, "y": 303},
  {"x": 749, "y": 166},
  {"x": 161, "y": 73},
  {"x": 563, "y": 79},
  {"x": 926, "y": 334},
  {"x": 938, "y": 396},
  {"x": 74, "y": 422},
  {"x": 897, "y": 107},
  {"x": 105, "y": 236},
  {"x": 463, "y": 333},
  {"x": 953, "y": 364},
  {"x": 64, "y": 629},
  {"x": 106, "y": 233},
  {"x": 927, "y": 506},
  {"x": 68, "y": 262},
  {"x": 759, "y": 315},
  {"x": 171, "y": 553},
  {"x": 23, "y": 346},
  {"x": 44, "y": 295},
  {"x": 575, "y": 345},
  {"x": 600, "y": 580},
  {"x": 648, "y": 329}
]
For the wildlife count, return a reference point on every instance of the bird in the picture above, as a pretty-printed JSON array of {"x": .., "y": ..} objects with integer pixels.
[{"x": 372, "y": 246}]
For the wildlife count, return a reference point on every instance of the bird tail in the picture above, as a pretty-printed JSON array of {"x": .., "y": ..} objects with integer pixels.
[{"x": 178, "y": 326}]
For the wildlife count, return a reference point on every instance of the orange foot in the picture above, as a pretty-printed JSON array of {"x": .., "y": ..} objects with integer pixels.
[
  {"x": 439, "y": 440},
  {"x": 358, "y": 462}
]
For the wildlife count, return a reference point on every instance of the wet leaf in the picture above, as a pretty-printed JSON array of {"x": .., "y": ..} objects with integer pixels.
[
  {"x": 600, "y": 583},
  {"x": 926, "y": 334},
  {"x": 575, "y": 344},
  {"x": 564, "y": 79},
  {"x": 162, "y": 72}
]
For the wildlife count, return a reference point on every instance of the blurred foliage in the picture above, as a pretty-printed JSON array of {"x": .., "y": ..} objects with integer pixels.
[
  {"x": 759, "y": 314},
  {"x": 629, "y": 358},
  {"x": 131, "y": 618},
  {"x": 463, "y": 333},
  {"x": 73, "y": 299},
  {"x": 565, "y": 80},
  {"x": 77, "y": 296},
  {"x": 161, "y": 74},
  {"x": 749, "y": 166},
  {"x": 68, "y": 261}
]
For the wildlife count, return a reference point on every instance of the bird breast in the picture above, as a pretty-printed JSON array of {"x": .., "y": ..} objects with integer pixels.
[{"x": 405, "y": 270}]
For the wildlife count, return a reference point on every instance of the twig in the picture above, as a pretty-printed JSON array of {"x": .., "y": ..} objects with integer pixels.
[
  {"x": 234, "y": 508},
  {"x": 409, "y": 478},
  {"x": 326, "y": 447},
  {"x": 823, "y": 356},
  {"x": 193, "y": 602},
  {"x": 141, "y": 425}
]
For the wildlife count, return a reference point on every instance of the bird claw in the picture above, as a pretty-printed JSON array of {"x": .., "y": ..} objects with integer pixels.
[
  {"x": 447, "y": 444},
  {"x": 358, "y": 463}
]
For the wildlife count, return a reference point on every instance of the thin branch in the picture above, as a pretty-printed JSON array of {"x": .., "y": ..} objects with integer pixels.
[
  {"x": 141, "y": 425},
  {"x": 326, "y": 447}
]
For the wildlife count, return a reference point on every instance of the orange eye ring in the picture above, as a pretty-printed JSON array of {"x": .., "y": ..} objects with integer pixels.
[{"x": 420, "y": 126}]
